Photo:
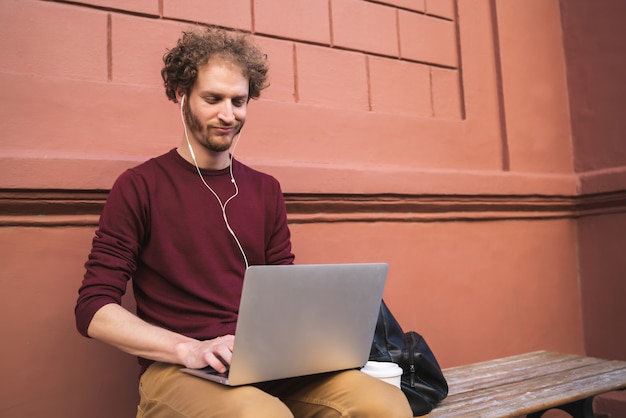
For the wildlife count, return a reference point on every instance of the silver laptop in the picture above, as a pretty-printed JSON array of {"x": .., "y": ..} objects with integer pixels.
[{"x": 299, "y": 320}]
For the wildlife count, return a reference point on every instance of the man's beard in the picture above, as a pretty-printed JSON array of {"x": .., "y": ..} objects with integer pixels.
[{"x": 196, "y": 127}]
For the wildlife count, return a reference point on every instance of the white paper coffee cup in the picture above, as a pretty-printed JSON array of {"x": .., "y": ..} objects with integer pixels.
[{"x": 385, "y": 371}]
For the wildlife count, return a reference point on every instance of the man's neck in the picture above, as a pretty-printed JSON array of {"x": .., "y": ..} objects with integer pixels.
[{"x": 205, "y": 159}]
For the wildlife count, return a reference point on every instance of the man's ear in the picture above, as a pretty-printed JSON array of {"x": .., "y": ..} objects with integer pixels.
[{"x": 180, "y": 93}]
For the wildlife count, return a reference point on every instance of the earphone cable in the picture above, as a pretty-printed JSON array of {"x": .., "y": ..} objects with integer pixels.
[{"x": 232, "y": 179}]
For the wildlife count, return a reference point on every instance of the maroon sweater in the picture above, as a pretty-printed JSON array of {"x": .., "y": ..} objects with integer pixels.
[{"x": 162, "y": 228}]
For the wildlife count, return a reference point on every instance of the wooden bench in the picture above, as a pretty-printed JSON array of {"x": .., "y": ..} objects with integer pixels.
[{"x": 527, "y": 383}]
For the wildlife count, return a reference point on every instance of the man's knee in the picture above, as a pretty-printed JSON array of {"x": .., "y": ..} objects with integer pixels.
[
  {"x": 356, "y": 394},
  {"x": 380, "y": 399},
  {"x": 386, "y": 403},
  {"x": 251, "y": 402}
]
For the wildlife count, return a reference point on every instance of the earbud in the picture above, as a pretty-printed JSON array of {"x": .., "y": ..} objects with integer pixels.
[{"x": 182, "y": 100}]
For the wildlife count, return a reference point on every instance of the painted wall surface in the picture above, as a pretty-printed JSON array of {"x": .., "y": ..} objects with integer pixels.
[
  {"x": 602, "y": 265},
  {"x": 51, "y": 371},
  {"x": 474, "y": 145},
  {"x": 597, "y": 61},
  {"x": 376, "y": 109}
]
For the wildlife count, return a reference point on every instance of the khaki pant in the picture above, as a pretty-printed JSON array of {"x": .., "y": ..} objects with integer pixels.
[{"x": 168, "y": 393}]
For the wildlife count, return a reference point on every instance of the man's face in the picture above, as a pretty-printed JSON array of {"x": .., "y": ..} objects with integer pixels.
[{"x": 216, "y": 109}]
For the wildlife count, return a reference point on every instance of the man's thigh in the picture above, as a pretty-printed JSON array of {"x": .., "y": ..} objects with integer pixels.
[
  {"x": 168, "y": 393},
  {"x": 343, "y": 394}
]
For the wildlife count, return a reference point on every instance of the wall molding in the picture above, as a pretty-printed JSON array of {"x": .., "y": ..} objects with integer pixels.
[{"x": 54, "y": 208}]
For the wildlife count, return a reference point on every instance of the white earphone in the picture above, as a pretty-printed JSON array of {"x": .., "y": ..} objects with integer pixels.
[{"x": 232, "y": 179}]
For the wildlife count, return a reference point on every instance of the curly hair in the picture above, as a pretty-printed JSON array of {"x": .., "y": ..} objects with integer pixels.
[{"x": 195, "y": 48}]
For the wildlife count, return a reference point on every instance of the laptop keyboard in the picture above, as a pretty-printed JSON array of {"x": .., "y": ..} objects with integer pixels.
[{"x": 211, "y": 370}]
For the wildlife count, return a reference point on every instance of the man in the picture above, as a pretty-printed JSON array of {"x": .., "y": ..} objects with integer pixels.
[{"x": 184, "y": 226}]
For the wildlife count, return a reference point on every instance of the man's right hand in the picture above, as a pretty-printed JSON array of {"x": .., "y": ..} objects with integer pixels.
[
  {"x": 216, "y": 353},
  {"x": 116, "y": 326}
]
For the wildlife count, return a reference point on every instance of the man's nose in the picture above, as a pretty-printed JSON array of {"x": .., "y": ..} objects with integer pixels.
[{"x": 227, "y": 112}]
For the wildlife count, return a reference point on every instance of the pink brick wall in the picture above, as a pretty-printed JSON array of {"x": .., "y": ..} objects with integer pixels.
[
  {"x": 302, "y": 20},
  {"x": 442, "y": 8},
  {"x": 350, "y": 55},
  {"x": 417, "y": 33},
  {"x": 76, "y": 49},
  {"x": 232, "y": 13},
  {"x": 137, "y": 47},
  {"x": 150, "y": 7},
  {"x": 400, "y": 87},
  {"x": 339, "y": 79},
  {"x": 365, "y": 26}
]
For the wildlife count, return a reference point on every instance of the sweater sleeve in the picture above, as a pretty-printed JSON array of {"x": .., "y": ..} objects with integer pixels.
[
  {"x": 115, "y": 248},
  {"x": 278, "y": 248}
]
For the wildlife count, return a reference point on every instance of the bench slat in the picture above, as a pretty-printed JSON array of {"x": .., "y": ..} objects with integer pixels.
[
  {"x": 522, "y": 371},
  {"x": 509, "y": 363},
  {"x": 491, "y": 364},
  {"x": 528, "y": 383}
]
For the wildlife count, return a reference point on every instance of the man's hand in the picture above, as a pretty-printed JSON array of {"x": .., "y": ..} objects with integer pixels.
[
  {"x": 216, "y": 353},
  {"x": 115, "y": 325}
]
